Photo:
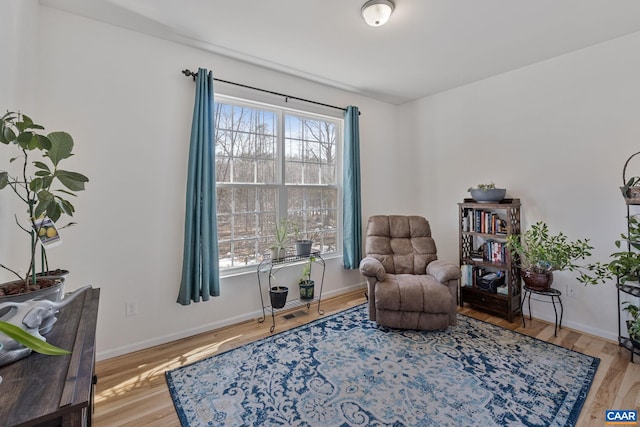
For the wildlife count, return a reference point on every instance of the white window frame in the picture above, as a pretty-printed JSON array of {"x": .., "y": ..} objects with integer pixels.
[{"x": 281, "y": 187}]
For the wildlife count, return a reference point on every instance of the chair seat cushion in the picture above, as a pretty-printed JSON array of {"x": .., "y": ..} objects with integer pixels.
[{"x": 412, "y": 293}]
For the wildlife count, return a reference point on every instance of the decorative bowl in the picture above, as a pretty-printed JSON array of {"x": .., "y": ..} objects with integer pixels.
[{"x": 488, "y": 196}]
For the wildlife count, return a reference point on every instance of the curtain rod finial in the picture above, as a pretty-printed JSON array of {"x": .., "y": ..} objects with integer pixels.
[{"x": 188, "y": 73}]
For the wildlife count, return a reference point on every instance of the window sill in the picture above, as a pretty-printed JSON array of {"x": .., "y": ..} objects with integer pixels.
[{"x": 251, "y": 269}]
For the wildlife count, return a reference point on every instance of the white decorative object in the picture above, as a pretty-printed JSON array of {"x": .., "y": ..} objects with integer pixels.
[{"x": 32, "y": 316}]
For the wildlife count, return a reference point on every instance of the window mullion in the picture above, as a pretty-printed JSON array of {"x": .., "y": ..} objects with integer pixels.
[{"x": 282, "y": 188}]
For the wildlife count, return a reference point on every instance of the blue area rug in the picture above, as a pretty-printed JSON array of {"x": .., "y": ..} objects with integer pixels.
[{"x": 344, "y": 370}]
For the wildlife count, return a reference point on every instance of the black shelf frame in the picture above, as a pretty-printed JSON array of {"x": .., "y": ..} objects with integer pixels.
[{"x": 268, "y": 265}]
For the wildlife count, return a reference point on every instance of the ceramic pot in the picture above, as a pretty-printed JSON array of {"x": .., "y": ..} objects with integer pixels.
[
  {"x": 491, "y": 195},
  {"x": 278, "y": 253},
  {"x": 537, "y": 281}
]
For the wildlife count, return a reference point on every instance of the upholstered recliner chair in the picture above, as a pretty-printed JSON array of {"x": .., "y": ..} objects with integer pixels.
[{"x": 408, "y": 287}]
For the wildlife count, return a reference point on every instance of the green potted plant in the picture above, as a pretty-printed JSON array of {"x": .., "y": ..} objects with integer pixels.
[
  {"x": 305, "y": 282},
  {"x": 541, "y": 253},
  {"x": 281, "y": 239},
  {"x": 487, "y": 193},
  {"x": 633, "y": 324},
  {"x": 43, "y": 187},
  {"x": 277, "y": 293}
]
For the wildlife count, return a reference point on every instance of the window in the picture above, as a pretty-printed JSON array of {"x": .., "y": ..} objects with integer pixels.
[{"x": 274, "y": 163}]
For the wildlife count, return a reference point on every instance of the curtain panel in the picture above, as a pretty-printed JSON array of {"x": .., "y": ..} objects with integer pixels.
[
  {"x": 351, "y": 204},
  {"x": 200, "y": 269}
]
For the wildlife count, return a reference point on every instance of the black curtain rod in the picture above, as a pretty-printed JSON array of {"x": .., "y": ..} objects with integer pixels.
[{"x": 190, "y": 73}]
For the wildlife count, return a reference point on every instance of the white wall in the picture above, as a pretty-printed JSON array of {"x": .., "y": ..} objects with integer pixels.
[
  {"x": 556, "y": 134},
  {"x": 122, "y": 97},
  {"x": 18, "y": 44}
]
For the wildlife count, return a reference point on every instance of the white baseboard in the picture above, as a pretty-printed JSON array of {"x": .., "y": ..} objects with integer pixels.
[
  {"x": 119, "y": 351},
  {"x": 577, "y": 326}
]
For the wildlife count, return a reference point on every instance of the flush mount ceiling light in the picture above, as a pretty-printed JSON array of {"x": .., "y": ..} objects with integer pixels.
[{"x": 377, "y": 12}]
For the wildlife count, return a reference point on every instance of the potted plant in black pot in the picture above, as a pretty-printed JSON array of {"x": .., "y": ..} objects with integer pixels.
[
  {"x": 306, "y": 284},
  {"x": 35, "y": 177},
  {"x": 541, "y": 253},
  {"x": 277, "y": 293}
]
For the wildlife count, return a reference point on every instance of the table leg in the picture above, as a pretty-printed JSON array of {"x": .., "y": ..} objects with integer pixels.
[{"x": 555, "y": 310}]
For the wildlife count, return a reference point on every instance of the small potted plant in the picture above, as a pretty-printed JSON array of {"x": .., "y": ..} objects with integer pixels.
[
  {"x": 281, "y": 238},
  {"x": 277, "y": 293},
  {"x": 487, "y": 193},
  {"x": 541, "y": 253},
  {"x": 306, "y": 284}
]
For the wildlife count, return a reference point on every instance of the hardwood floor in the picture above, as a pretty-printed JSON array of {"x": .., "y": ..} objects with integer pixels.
[{"x": 132, "y": 390}]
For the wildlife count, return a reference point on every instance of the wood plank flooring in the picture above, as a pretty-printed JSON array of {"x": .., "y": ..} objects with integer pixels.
[{"x": 132, "y": 390}]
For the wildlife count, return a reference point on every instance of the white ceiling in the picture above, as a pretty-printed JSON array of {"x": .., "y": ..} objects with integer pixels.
[{"x": 426, "y": 47}]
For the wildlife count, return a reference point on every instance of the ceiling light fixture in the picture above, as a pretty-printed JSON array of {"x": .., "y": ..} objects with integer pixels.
[{"x": 377, "y": 12}]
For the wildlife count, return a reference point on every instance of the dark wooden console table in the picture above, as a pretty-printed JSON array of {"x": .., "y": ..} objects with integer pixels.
[{"x": 44, "y": 390}]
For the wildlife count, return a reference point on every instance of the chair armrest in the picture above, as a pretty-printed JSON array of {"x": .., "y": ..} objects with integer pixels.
[
  {"x": 443, "y": 271},
  {"x": 371, "y": 267}
]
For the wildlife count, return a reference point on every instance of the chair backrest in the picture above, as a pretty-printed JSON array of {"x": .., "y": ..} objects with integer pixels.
[{"x": 403, "y": 244}]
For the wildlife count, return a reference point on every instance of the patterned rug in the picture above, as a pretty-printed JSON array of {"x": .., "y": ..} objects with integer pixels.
[{"x": 344, "y": 370}]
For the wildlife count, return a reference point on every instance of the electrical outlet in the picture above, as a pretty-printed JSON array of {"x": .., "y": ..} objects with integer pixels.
[
  {"x": 131, "y": 308},
  {"x": 570, "y": 291}
]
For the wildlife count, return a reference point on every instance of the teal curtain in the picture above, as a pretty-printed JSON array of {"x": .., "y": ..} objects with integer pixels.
[
  {"x": 351, "y": 205},
  {"x": 200, "y": 270}
]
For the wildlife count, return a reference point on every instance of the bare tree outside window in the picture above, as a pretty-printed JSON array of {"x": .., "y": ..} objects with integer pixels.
[{"x": 269, "y": 157}]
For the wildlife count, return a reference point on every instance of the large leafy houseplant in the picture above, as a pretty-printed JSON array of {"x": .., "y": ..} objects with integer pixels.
[
  {"x": 38, "y": 182},
  {"x": 541, "y": 253}
]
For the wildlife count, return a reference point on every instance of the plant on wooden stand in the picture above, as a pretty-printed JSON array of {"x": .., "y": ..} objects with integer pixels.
[{"x": 40, "y": 184}]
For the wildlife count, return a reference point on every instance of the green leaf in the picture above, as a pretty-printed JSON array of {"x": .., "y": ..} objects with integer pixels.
[
  {"x": 43, "y": 142},
  {"x": 66, "y": 192},
  {"x": 42, "y": 173},
  {"x": 45, "y": 200},
  {"x": 28, "y": 340},
  {"x": 54, "y": 212},
  {"x": 41, "y": 165},
  {"x": 35, "y": 184},
  {"x": 24, "y": 139},
  {"x": 61, "y": 146},
  {"x": 4, "y": 179},
  {"x": 66, "y": 207},
  {"x": 72, "y": 180},
  {"x": 8, "y": 134}
]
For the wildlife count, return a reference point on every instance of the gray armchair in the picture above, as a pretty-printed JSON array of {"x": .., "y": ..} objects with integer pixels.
[{"x": 408, "y": 287}]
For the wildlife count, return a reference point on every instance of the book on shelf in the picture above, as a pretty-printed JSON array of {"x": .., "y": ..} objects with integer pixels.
[
  {"x": 483, "y": 221},
  {"x": 466, "y": 279}
]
